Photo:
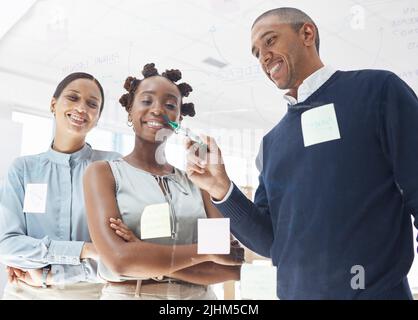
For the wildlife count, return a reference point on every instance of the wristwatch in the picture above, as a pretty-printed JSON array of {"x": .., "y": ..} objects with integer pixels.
[{"x": 45, "y": 271}]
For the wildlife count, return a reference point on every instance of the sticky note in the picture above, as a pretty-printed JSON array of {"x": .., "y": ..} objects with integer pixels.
[
  {"x": 35, "y": 198},
  {"x": 320, "y": 125},
  {"x": 258, "y": 281},
  {"x": 213, "y": 236},
  {"x": 155, "y": 221}
]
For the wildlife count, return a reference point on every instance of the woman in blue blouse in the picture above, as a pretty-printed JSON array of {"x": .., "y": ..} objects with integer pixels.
[{"x": 44, "y": 239}]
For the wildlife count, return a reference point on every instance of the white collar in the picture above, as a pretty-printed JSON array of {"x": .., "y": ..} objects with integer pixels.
[{"x": 311, "y": 84}]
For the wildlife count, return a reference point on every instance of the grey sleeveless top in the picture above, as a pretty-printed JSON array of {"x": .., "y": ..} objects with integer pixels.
[{"x": 136, "y": 189}]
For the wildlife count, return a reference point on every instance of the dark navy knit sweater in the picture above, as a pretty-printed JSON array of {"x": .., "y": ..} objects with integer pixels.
[{"x": 321, "y": 210}]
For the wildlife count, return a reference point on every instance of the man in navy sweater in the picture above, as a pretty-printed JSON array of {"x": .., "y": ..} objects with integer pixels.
[{"x": 338, "y": 174}]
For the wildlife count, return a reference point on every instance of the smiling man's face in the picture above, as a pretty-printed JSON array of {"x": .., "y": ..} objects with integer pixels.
[{"x": 280, "y": 51}]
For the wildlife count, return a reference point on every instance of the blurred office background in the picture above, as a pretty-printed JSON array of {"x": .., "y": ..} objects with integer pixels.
[{"x": 208, "y": 40}]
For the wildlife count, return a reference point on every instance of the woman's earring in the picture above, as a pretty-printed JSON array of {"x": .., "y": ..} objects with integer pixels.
[{"x": 129, "y": 123}]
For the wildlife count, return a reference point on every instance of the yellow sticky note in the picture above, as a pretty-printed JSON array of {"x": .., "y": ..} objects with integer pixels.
[{"x": 155, "y": 221}]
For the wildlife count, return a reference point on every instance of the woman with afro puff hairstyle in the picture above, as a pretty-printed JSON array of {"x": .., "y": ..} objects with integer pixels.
[{"x": 118, "y": 191}]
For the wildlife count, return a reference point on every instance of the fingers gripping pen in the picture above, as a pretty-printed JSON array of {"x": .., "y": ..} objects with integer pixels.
[{"x": 184, "y": 131}]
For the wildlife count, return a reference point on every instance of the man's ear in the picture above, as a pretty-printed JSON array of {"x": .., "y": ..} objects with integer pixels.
[
  {"x": 308, "y": 34},
  {"x": 53, "y": 104}
]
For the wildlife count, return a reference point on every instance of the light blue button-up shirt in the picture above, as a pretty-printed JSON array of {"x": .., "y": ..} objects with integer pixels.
[{"x": 56, "y": 237}]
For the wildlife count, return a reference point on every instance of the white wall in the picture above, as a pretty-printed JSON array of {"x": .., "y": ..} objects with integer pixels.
[{"x": 10, "y": 142}]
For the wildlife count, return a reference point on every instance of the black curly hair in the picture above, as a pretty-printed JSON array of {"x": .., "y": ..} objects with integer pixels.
[{"x": 174, "y": 75}]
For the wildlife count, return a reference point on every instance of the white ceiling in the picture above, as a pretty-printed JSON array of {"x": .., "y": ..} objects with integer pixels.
[{"x": 115, "y": 38}]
